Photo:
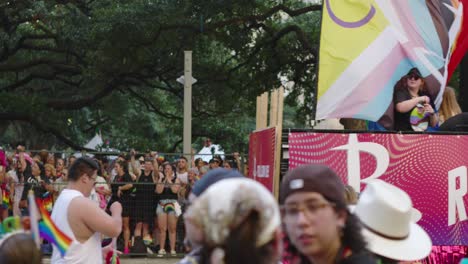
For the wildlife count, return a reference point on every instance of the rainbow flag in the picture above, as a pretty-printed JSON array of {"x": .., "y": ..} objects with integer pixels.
[
  {"x": 112, "y": 257},
  {"x": 50, "y": 232},
  {"x": 6, "y": 199},
  {"x": 48, "y": 201},
  {"x": 169, "y": 207},
  {"x": 366, "y": 46},
  {"x": 460, "y": 45}
]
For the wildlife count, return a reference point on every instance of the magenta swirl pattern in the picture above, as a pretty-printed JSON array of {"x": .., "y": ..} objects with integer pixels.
[{"x": 419, "y": 164}]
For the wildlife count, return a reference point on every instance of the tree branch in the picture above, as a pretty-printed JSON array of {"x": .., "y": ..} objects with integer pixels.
[
  {"x": 28, "y": 46},
  {"x": 151, "y": 107},
  {"x": 7, "y": 52},
  {"x": 291, "y": 28},
  {"x": 98, "y": 123},
  {"x": 60, "y": 104},
  {"x": 22, "y": 66},
  {"x": 245, "y": 19},
  {"x": 40, "y": 126}
]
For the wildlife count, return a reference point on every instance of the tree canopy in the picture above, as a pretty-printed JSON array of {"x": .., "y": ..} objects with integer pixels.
[{"x": 70, "y": 67}]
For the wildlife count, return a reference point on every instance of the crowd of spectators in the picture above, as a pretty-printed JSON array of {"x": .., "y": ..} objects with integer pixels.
[
  {"x": 231, "y": 219},
  {"x": 152, "y": 189}
]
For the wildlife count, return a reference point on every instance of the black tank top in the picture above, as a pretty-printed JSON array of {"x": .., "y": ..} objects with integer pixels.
[
  {"x": 146, "y": 184},
  {"x": 167, "y": 192}
]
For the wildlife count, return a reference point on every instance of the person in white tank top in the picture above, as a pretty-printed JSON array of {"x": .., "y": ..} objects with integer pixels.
[{"x": 81, "y": 219}]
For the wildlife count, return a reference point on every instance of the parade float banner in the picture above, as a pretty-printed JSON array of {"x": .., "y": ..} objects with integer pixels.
[
  {"x": 262, "y": 156},
  {"x": 432, "y": 169},
  {"x": 367, "y": 46}
]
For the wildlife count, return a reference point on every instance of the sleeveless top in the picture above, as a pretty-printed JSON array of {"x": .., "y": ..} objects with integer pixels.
[
  {"x": 168, "y": 194},
  {"x": 147, "y": 188},
  {"x": 87, "y": 252},
  {"x": 120, "y": 181}
]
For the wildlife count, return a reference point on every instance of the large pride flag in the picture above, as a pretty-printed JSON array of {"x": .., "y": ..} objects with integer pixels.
[{"x": 366, "y": 46}]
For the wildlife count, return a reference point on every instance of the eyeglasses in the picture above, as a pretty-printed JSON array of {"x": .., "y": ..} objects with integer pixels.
[
  {"x": 414, "y": 76},
  {"x": 308, "y": 209}
]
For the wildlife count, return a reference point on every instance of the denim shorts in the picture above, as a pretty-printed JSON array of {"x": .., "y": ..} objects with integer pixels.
[{"x": 168, "y": 206}]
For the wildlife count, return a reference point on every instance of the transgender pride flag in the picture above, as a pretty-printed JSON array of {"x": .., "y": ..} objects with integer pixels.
[{"x": 366, "y": 46}]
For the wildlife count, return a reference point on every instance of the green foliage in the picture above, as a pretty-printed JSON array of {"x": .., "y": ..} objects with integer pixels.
[{"x": 68, "y": 68}]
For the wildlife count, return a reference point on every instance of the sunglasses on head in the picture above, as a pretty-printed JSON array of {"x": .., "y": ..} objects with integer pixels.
[{"x": 414, "y": 76}]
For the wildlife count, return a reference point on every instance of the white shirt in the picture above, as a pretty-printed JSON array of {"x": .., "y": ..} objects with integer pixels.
[
  {"x": 78, "y": 253},
  {"x": 183, "y": 177}
]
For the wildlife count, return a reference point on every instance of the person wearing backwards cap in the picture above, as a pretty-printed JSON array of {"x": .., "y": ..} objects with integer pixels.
[
  {"x": 386, "y": 212},
  {"x": 319, "y": 227},
  {"x": 414, "y": 109}
]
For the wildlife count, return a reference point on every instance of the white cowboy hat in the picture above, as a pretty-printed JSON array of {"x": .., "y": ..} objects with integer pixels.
[{"x": 386, "y": 215}]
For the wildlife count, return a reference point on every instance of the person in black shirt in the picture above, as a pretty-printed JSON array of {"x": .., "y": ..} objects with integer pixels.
[
  {"x": 122, "y": 189},
  {"x": 414, "y": 108},
  {"x": 144, "y": 194}
]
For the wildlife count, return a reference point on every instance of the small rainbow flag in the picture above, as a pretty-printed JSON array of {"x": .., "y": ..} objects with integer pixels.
[
  {"x": 112, "y": 257},
  {"x": 50, "y": 232},
  {"x": 5, "y": 199},
  {"x": 169, "y": 207},
  {"x": 47, "y": 201}
]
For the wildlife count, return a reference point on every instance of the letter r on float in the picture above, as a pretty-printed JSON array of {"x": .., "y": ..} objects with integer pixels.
[{"x": 455, "y": 196}]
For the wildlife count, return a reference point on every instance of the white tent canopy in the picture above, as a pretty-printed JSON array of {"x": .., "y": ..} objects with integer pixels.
[
  {"x": 206, "y": 153},
  {"x": 94, "y": 143}
]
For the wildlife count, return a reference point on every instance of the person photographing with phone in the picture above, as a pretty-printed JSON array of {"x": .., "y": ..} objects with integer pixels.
[
  {"x": 414, "y": 109},
  {"x": 33, "y": 179}
]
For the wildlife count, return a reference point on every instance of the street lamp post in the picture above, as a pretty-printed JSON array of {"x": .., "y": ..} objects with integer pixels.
[{"x": 187, "y": 137}]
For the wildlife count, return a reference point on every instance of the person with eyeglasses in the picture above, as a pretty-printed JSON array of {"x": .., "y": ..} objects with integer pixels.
[
  {"x": 319, "y": 227},
  {"x": 81, "y": 219},
  {"x": 414, "y": 107}
]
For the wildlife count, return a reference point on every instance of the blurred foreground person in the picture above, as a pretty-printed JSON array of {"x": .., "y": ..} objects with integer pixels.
[
  {"x": 19, "y": 248},
  {"x": 199, "y": 187},
  {"x": 386, "y": 212},
  {"x": 319, "y": 227},
  {"x": 235, "y": 221}
]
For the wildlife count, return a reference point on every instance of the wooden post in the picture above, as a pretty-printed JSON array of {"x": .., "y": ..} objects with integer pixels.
[
  {"x": 279, "y": 130},
  {"x": 262, "y": 111},
  {"x": 187, "y": 135},
  {"x": 274, "y": 108},
  {"x": 276, "y": 120}
]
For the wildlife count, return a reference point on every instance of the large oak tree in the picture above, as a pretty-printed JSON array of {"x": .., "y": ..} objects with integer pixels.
[{"x": 69, "y": 67}]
